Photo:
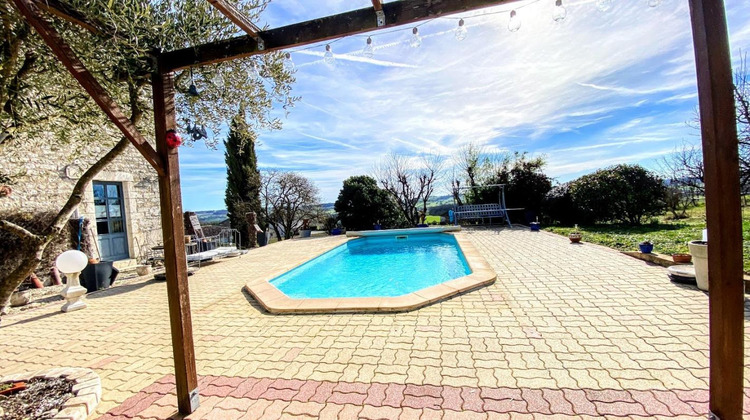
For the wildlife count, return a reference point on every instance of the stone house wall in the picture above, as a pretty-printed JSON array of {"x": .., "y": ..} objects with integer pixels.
[{"x": 48, "y": 172}]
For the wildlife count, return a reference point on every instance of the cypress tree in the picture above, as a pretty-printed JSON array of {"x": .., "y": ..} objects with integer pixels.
[{"x": 243, "y": 178}]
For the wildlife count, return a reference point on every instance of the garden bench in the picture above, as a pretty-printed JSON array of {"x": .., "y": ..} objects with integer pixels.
[{"x": 481, "y": 211}]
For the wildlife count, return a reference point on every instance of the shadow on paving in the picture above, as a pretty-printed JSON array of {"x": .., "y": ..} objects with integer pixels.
[{"x": 117, "y": 290}]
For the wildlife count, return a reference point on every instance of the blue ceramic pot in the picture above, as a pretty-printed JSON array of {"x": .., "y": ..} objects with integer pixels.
[
  {"x": 534, "y": 226},
  {"x": 336, "y": 231},
  {"x": 646, "y": 248}
]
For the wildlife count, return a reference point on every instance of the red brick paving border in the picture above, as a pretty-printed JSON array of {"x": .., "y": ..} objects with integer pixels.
[{"x": 262, "y": 392}]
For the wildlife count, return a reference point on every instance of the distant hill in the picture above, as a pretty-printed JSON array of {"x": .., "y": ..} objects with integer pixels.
[
  {"x": 211, "y": 217},
  {"x": 215, "y": 217}
]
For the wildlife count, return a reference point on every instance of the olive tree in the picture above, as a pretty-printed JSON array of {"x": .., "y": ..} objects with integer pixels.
[
  {"x": 38, "y": 95},
  {"x": 288, "y": 198}
]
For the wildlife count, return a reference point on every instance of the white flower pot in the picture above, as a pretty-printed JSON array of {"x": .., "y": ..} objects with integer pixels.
[{"x": 699, "y": 251}]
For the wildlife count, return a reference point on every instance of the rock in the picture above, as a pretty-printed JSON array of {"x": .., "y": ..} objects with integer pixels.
[{"x": 19, "y": 299}]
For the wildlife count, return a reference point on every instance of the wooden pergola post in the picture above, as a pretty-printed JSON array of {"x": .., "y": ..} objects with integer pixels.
[
  {"x": 723, "y": 209},
  {"x": 175, "y": 260}
]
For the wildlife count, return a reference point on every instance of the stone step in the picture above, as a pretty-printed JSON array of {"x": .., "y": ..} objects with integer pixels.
[{"x": 126, "y": 264}]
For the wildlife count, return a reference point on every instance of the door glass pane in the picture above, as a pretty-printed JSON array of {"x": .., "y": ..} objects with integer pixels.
[
  {"x": 102, "y": 227},
  {"x": 112, "y": 191},
  {"x": 98, "y": 191},
  {"x": 114, "y": 208},
  {"x": 101, "y": 210},
  {"x": 116, "y": 226}
]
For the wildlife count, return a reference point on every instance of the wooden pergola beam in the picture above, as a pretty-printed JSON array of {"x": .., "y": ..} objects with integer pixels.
[
  {"x": 396, "y": 13},
  {"x": 723, "y": 208},
  {"x": 63, "y": 11},
  {"x": 238, "y": 18},
  {"x": 377, "y": 5},
  {"x": 88, "y": 82}
]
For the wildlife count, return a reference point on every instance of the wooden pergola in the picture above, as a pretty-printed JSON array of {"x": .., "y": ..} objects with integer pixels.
[{"x": 718, "y": 129}]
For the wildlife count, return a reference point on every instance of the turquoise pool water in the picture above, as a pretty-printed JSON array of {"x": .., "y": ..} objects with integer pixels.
[{"x": 383, "y": 266}]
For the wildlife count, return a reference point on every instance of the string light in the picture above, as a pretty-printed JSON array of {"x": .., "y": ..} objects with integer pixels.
[
  {"x": 288, "y": 63},
  {"x": 328, "y": 58},
  {"x": 461, "y": 31},
  {"x": 515, "y": 22},
  {"x": 368, "y": 50},
  {"x": 559, "y": 12},
  {"x": 604, "y": 5},
  {"x": 415, "y": 40}
]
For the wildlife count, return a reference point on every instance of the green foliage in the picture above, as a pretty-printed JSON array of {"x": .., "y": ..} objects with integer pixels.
[
  {"x": 36, "y": 90},
  {"x": 559, "y": 207},
  {"x": 361, "y": 204},
  {"x": 624, "y": 193},
  {"x": 243, "y": 178},
  {"x": 526, "y": 184}
]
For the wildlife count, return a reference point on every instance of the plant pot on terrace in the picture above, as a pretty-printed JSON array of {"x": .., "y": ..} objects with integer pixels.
[
  {"x": 682, "y": 258},
  {"x": 646, "y": 247},
  {"x": 98, "y": 276},
  {"x": 699, "y": 250},
  {"x": 575, "y": 236}
]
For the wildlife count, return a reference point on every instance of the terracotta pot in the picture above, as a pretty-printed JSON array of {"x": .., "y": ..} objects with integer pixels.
[
  {"x": 15, "y": 387},
  {"x": 35, "y": 281},
  {"x": 575, "y": 237},
  {"x": 93, "y": 260},
  {"x": 682, "y": 258}
]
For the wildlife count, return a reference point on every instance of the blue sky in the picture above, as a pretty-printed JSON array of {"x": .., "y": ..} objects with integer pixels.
[{"x": 597, "y": 89}]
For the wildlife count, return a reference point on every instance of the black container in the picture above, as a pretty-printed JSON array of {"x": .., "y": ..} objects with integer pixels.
[{"x": 98, "y": 276}]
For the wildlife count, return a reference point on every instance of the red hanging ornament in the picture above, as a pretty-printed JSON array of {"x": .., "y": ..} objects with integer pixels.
[{"x": 173, "y": 139}]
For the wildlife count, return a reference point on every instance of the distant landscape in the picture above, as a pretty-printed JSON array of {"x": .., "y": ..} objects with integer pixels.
[{"x": 215, "y": 217}]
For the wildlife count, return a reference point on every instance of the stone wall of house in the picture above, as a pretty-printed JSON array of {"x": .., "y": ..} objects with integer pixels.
[{"x": 46, "y": 173}]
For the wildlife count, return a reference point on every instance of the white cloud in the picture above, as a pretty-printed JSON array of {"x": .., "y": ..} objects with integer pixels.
[{"x": 599, "y": 88}]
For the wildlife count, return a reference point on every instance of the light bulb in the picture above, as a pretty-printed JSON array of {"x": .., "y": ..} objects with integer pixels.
[
  {"x": 72, "y": 261},
  {"x": 604, "y": 5},
  {"x": 653, "y": 3},
  {"x": 288, "y": 63},
  {"x": 415, "y": 40},
  {"x": 515, "y": 22},
  {"x": 253, "y": 72},
  {"x": 559, "y": 13},
  {"x": 461, "y": 31},
  {"x": 368, "y": 50},
  {"x": 328, "y": 58}
]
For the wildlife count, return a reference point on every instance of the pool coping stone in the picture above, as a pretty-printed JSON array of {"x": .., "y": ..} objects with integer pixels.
[{"x": 276, "y": 302}]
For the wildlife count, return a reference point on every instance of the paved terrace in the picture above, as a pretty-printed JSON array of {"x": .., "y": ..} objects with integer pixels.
[{"x": 566, "y": 331}]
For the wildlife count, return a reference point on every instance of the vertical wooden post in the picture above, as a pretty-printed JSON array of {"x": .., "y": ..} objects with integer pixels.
[
  {"x": 723, "y": 211},
  {"x": 175, "y": 260}
]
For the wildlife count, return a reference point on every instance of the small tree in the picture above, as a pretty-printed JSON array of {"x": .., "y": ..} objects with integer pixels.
[
  {"x": 625, "y": 193},
  {"x": 243, "y": 178},
  {"x": 361, "y": 204},
  {"x": 408, "y": 184},
  {"x": 287, "y": 199}
]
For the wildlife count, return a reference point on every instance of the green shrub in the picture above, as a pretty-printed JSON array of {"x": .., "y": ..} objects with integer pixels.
[
  {"x": 621, "y": 193},
  {"x": 361, "y": 204}
]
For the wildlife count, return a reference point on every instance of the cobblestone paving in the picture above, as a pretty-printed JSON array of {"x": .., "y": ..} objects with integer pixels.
[{"x": 567, "y": 331}]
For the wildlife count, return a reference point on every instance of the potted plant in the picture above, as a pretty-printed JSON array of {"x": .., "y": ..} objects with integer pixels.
[
  {"x": 682, "y": 258},
  {"x": 699, "y": 251},
  {"x": 534, "y": 225},
  {"x": 305, "y": 231},
  {"x": 339, "y": 229},
  {"x": 646, "y": 247},
  {"x": 377, "y": 226},
  {"x": 575, "y": 236}
]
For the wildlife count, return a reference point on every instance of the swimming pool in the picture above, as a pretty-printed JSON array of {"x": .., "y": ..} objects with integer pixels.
[
  {"x": 379, "y": 271},
  {"x": 377, "y": 266}
]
